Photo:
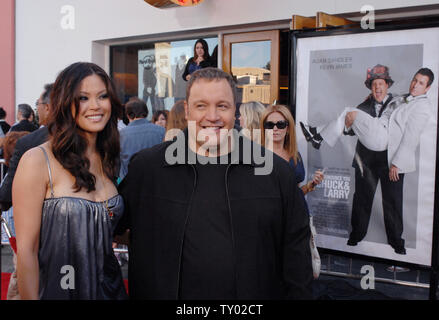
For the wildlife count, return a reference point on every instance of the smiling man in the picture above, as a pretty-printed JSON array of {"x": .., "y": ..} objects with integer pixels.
[
  {"x": 210, "y": 110},
  {"x": 213, "y": 229}
]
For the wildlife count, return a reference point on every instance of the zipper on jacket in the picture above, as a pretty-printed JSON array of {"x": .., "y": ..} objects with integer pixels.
[
  {"x": 184, "y": 231},
  {"x": 231, "y": 231}
]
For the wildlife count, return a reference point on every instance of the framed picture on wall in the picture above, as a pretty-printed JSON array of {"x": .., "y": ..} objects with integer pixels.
[{"x": 366, "y": 112}]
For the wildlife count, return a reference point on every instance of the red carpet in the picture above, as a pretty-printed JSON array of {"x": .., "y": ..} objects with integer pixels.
[
  {"x": 126, "y": 284},
  {"x": 5, "y": 283}
]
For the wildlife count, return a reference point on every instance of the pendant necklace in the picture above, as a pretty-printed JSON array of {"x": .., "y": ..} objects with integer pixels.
[{"x": 110, "y": 213}]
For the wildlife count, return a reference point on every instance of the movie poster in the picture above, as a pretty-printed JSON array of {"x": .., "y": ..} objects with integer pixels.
[
  {"x": 160, "y": 73},
  {"x": 157, "y": 86},
  {"x": 331, "y": 76}
]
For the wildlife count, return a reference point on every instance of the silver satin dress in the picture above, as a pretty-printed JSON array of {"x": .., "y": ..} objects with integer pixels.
[{"x": 76, "y": 257}]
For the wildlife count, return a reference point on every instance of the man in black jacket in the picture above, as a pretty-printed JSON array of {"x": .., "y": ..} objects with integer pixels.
[
  {"x": 203, "y": 223},
  {"x": 370, "y": 166},
  {"x": 24, "y": 114},
  {"x": 25, "y": 143}
]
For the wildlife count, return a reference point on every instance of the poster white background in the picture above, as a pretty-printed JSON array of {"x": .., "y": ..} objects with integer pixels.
[{"x": 429, "y": 39}]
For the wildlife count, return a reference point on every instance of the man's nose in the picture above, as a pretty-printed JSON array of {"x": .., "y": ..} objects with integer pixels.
[{"x": 212, "y": 114}]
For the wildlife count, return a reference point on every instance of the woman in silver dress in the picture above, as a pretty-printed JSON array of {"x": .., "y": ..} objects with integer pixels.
[{"x": 64, "y": 195}]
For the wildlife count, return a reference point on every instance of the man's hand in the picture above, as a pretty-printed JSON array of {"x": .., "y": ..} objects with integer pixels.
[
  {"x": 350, "y": 118},
  {"x": 393, "y": 173}
]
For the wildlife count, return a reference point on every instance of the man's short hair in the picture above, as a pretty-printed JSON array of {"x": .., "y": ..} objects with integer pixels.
[
  {"x": 136, "y": 108},
  {"x": 46, "y": 93},
  {"x": 25, "y": 110},
  {"x": 427, "y": 72},
  {"x": 210, "y": 74},
  {"x": 2, "y": 113}
]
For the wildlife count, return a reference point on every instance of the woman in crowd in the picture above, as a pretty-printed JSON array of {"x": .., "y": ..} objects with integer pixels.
[
  {"x": 176, "y": 120},
  {"x": 249, "y": 119},
  {"x": 201, "y": 59},
  {"x": 65, "y": 200},
  {"x": 8, "y": 149},
  {"x": 279, "y": 119},
  {"x": 160, "y": 117}
]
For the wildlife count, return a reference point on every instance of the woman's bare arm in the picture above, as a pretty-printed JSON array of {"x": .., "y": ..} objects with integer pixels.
[{"x": 28, "y": 193}]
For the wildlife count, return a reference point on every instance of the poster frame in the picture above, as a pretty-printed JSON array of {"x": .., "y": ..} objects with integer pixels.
[{"x": 295, "y": 36}]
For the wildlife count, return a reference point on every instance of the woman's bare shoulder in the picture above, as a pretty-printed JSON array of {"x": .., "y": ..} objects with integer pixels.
[{"x": 33, "y": 157}]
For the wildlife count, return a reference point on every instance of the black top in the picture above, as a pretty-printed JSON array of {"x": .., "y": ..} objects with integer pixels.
[
  {"x": 207, "y": 269},
  {"x": 270, "y": 226},
  {"x": 191, "y": 66}
]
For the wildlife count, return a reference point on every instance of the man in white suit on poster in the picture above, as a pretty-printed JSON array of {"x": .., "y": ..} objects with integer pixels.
[{"x": 397, "y": 130}]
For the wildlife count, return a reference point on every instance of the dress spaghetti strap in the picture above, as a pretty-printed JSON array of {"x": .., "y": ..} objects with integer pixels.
[{"x": 50, "y": 172}]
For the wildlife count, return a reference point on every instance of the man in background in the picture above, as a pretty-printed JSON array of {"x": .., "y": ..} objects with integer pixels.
[
  {"x": 139, "y": 134},
  {"x": 25, "y": 143},
  {"x": 24, "y": 115}
]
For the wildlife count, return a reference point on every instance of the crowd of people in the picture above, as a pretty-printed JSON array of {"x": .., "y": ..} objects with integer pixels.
[
  {"x": 203, "y": 227},
  {"x": 95, "y": 184}
]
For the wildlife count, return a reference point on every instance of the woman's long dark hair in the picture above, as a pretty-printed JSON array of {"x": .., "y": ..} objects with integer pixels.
[
  {"x": 205, "y": 48},
  {"x": 68, "y": 141}
]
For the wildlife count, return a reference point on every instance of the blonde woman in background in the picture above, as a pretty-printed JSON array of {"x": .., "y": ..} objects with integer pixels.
[
  {"x": 249, "y": 119},
  {"x": 176, "y": 120}
]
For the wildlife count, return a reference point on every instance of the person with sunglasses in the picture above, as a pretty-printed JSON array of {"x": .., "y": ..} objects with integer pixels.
[
  {"x": 279, "y": 119},
  {"x": 278, "y": 125}
]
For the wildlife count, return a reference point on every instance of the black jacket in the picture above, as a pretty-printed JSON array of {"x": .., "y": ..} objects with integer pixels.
[
  {"x": 24, "y": 125},
  {"x": 203, "y": 64},
  {"x": 23, "y": 144},
  {"x": 270, "y": 227}
]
